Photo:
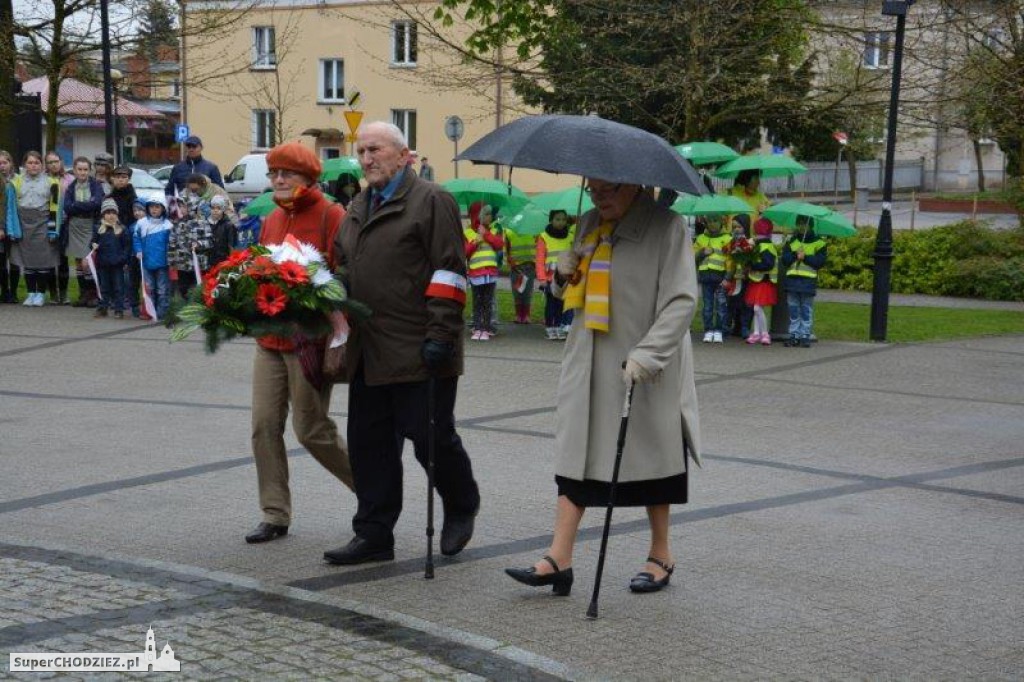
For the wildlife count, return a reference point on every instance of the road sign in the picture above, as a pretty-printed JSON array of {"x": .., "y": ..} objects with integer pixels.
[
  {"x": 840, "y": 137},
  {"x": 353, "y": 118},
  {"x": 453, "y": 128},
  {"x": 181, "y": 132}
]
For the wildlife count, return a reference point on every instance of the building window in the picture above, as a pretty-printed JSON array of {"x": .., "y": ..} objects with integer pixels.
[
  {"x": 264, "y": 51},
  {"x": 176, "y": 88},
  {"x": 405, "y": 119},
  {"x": 877, "y": 48},
  {"x": 264, "y": 129},
  {"x": 403, "y": 43},
  {"x": 330, "y": 153},
  {"x": 332, "y": 81}
]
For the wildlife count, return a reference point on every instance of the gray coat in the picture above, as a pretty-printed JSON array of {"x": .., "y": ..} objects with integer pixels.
[{"x": 653, "y": 299}]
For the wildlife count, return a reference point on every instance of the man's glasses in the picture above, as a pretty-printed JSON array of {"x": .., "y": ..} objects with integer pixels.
[{"x": 602, "y": 191}]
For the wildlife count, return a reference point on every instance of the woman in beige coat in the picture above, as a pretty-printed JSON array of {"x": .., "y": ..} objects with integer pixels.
[{"x": 652, "y": 295}]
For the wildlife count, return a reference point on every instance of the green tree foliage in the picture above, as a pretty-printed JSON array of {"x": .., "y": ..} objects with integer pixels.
[
  {"x": 157, "y": 27},
  {"x": 684, "y": 69}
]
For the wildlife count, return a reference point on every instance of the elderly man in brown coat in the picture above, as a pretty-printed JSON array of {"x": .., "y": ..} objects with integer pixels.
[{"x": 402, "y": 254}]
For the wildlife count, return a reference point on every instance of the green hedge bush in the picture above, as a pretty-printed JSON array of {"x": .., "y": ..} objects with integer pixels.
[{"x": 963, "y": 259}]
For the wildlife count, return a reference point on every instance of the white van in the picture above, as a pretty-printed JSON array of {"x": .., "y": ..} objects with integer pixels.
[{"x": 248, "y": 178}]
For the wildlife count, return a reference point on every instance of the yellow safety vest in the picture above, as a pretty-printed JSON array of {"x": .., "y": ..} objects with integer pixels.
[
  {"x": 55, "y": 206},
  {"x": 555, "y": 247},
  {"x": 716, "y": 261},
  {"x": 799, "y": 268},
  {"x": 484, "y": 256},
  {"x": 773, "y": 274},
  {"x": 521, "y": 248}
]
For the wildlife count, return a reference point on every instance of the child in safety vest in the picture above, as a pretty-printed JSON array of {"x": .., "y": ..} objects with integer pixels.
[
  {"x": 556, "y": 238},
  {"x": 711, "y": 276},
  {"x": 762, "y": 277},
  {"x": 482, "y": 247},
  {"x": 737, "y": 313},
  {"x": 802, "y": 256},
  {"x": 521, "y": 252}
]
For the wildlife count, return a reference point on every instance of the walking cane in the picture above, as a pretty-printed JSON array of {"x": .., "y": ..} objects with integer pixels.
[
  {"x": 428, "y": 571},
  {"x": 592, "y": 609}
]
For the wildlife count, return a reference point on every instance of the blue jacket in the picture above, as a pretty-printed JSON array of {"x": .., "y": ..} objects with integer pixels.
[
  {"x": 81, "y": 209},
  {"x": 12, "y": 225},
  {"x": 113, "y": 250},
  {"x": 803, "y": 285},
  {"x": 150, "y": 237},
  {"x": 183, "y": 169}
]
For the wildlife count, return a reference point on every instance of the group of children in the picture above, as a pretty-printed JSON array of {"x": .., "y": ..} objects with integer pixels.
[
  {"x": 739, "y": 278},
  {"x": 530, "y": 259}
]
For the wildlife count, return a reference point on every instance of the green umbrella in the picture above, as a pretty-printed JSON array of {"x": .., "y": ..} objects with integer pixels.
[
  {"x": 468, "y": 191},
  {"x": 710, "y": 204},
  {"x": 264, "y": 204},
  {"x": 827, "y": 223},
  {"x": 341, "y": 165},
  {"x": 706, "y": 153},
  {"x": 531, "y": 221},
  {"x": 567, "y": 200},
  {"x": 770, "y": 166}
]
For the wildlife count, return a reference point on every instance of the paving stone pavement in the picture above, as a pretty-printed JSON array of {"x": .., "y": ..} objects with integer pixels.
[{"x": 858, "y": 515}]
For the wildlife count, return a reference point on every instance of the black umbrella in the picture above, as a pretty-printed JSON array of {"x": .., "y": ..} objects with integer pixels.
[{"x": 589, "y": 146}]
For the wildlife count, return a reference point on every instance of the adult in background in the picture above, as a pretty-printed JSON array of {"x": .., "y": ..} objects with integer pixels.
[
  {"x": 199, "y": 191},
  {"x": 82, "y": 200},
  {"x": 636, "y": 289},
  {"x": 747, "y": 187},
  {"x": 426, "y": 170},
  {"x": 192, "y": 163},
  {"x": 277, "y": 376},
  {"x": 35, "y": 235},
  {"x": 103, "y": 168},
  {"x": 402, "y": 250},
  {"x": 10, "y": 274}
]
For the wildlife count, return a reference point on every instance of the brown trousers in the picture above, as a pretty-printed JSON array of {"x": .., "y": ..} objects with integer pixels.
[{"x": 277, "y": 380}]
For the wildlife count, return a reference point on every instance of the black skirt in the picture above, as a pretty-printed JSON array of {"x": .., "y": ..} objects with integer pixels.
[{"x": 591, "y": 493}]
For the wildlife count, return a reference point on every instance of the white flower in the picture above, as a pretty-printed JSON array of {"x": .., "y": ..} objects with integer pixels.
[
  {"x": 322, "y": 277},
  {"x": 311, "y": 253},
  {"x": 303, "y": 254}
]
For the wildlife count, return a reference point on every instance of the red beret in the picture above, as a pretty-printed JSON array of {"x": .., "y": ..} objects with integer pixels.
[{"x": 297, "y": 157}]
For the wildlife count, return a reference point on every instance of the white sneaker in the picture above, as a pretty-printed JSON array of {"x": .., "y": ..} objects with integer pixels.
[
  {"x": 551, "y": 333},
  {"x": 485, "y": 336},
  {"x": 30, "y": 300},
  {"x": 40, "y": 299},
  {"x": 717, "y": 337},
  {"x": 709, "y": 337},
  {"x": 476, "y": 335}
]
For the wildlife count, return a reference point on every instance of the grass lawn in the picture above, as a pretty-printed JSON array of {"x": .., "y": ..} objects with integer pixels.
[{"x": 851, "y": 321}]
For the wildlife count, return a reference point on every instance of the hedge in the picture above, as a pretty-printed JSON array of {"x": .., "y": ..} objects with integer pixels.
[{"x": 962, "y": 259}]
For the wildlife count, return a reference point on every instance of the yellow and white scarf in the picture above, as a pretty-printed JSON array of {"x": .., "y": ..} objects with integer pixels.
[{"x": 593, "y": 291}]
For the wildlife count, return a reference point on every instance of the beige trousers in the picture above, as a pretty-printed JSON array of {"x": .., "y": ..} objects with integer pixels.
[{"x": 277, "y": 380}]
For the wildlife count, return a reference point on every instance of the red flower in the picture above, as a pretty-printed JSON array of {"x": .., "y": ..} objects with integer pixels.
[
  {"x": 261, "y": 268},
  {"x": 209, "y": 285},
  {"x": 292, "y": 273},
  {"x": 236, "y": 258},
  {"x": 270, "y": 299}
]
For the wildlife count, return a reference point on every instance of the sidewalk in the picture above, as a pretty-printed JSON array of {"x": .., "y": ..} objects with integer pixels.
[{"x": 857, "y": 516}]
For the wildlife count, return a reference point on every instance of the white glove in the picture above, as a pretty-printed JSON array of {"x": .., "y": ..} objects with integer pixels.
[
  {"x": 568, "y": 262},
  {"x": 634, "y": 372}
]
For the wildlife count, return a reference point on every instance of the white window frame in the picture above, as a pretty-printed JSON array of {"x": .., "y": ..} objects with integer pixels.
[
  {"x": 877, "y": 49},
  {"x": 264, "y": 48},
  {"x": 405, "y": 119},
  {"x": 264, "y": 129},
  {"x": 176, "y": 88},
  {"x": 404, "y": 39},
  {"x": 337, "y": 73}
]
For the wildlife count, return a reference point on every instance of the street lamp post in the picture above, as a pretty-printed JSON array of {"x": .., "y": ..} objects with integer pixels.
[
  {"x": 115, "y": 81},
  {"x": 108, "y": 84},
  {"x": 883, "y": 242}
]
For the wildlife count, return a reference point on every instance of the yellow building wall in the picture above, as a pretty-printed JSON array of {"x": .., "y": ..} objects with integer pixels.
[{"x": 223, "y": 90}]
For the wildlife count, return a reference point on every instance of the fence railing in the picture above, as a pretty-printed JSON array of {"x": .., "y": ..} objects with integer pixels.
[{"x": 821, "y": 178}]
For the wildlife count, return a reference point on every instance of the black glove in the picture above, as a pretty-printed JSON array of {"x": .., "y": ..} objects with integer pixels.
[{"x": 436, "y": 353}]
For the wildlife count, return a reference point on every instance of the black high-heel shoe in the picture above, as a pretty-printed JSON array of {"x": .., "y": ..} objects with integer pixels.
[
  {"x": 560, "y": 581},
  {"x": 645, "y": 582}
]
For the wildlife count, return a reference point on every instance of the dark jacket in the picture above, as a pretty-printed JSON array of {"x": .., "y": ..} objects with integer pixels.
[
  {"x": 113, "y": 250},
  {"x": 224, "y": 238},
  {"x": 389, "y": 259},
  {"x": 125, "y": 198},
  {"x": 803, "y": 285},
  {"x": 82, "y": 209},
  {"x": 183, "y": 169}
]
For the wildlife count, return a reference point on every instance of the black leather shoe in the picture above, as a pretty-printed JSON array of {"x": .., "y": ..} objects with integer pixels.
[
  {"x": 561, "y": 581},
  {"x": 645, "y": 582},
  {"x": 456, "y": 533},
  {"x": 358, "y": 551},
  {"x": 265, "y": 532}
]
